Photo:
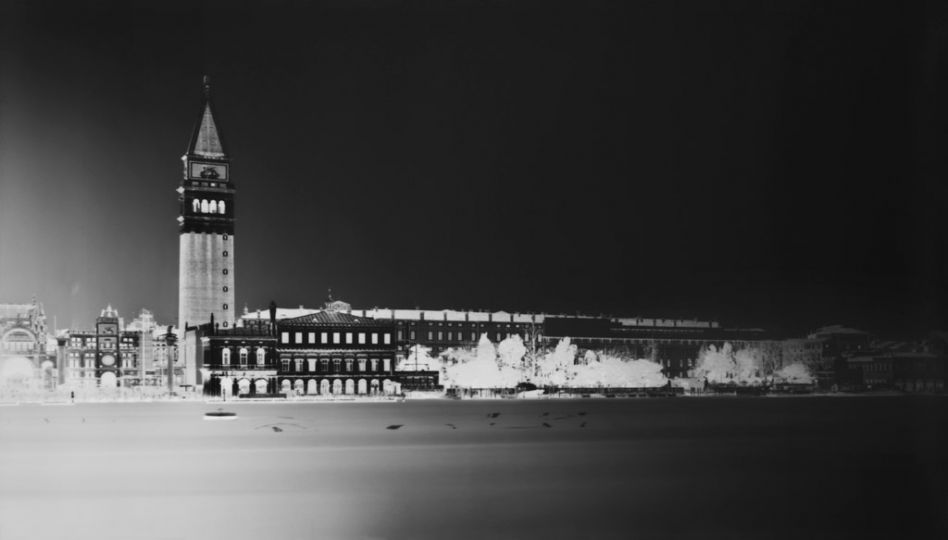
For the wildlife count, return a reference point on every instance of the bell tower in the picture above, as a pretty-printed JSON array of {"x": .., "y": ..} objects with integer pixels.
[{"x": 206, "y": 226}]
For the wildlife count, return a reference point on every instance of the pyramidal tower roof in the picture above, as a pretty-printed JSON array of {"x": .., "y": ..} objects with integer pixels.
[{"x": 206, "y": 138}]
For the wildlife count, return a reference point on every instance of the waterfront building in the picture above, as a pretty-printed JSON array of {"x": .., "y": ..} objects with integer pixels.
[
  {"x": 23, "y": 345},
  {"x": 337, "y": 352},
  {"x": 838, "y": 343},
  {"x": 673, "y": 343},
  {"x": 324, "y": 352},
  {"x": 908, "y": 371},
  {"x": 114, "y": 355}
]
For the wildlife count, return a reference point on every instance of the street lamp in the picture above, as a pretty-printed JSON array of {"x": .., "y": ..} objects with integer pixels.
[{"x": 169, "y": 341}]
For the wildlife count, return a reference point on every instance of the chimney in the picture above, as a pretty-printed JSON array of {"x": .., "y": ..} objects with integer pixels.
[{"x": 273, "y": 316}]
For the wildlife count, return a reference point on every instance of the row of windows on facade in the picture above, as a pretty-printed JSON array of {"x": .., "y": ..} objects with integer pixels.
[
  {"x": 203, "y": 206},
  {"x": 336, "y": 338},
  {"x": 89, "y": 363},
  {"x": 243, "y": 354},
  {"x": 467, "y": 324},
  {"x": 77, "y": 360},
  {"x": 20, "y": 346},
  {"x": 440, "y": 335},
  {"x": 373, "y": 364},
  {"x": 336, "y": 365},
  {"x": 89, "y": 342}
]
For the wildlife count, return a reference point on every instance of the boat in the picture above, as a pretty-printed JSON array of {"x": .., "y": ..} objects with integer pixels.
[{"x": 220, "y": 414}]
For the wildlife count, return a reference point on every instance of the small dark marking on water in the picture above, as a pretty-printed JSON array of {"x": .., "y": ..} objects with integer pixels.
[
  {"x": 276, "y": 429},
  {"x": 452, "y": 426},
  {"x": 493, "y": 415},
  {"x": 546, "y": 425},
  {"x": 394, "y": 426}
]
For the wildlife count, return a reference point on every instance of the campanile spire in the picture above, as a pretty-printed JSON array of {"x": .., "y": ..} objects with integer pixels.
[{"x": 206, "y": 140}]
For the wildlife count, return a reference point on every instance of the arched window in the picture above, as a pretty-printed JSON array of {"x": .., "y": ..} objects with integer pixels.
[
  {"x": 243, "y": 356},
  {"x": 225, "y": 357},
  {"x": 212, "y": 207},
  {"x": 261, "y": 356},
  {"x": 221, "y": 207},
  {"x": 196, "y": 205},
  {"x": 204, "y": 206}
]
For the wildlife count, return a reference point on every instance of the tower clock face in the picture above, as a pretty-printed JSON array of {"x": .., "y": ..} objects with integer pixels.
[
  {"x": 108, "y": 360},
  {"x": 208, "y": 171}
]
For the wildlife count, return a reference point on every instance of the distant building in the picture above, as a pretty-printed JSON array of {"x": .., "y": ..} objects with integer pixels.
[
  {"x": 23, "y": 341},
  {"x": 902, "y": 370},
  {"x": 838, "y": 343},
  {"x": 113, "y": 355},
  {"x": 806, "y": 351}
]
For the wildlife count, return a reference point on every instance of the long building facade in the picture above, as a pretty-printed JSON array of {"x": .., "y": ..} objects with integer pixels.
[{"x": 322, "y": 353}]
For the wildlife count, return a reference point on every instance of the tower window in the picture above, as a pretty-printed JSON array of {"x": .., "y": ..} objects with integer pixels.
[
  {"x": 212, "y": 207},
  {"x": 196, "y": 205},
  {"x": 225, "y": 252},
  {"x": 220, "y": 207},
  {"x": 226, "y": 288},
  {"x": 225, "y": 307},
  {"x": 225, "y": 271},
  {"x": 225, "y": 237},
  {"x": 205, "y": 207}
]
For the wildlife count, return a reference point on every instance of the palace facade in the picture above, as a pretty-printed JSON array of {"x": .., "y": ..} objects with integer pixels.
[{"x": 325, "y": 352}]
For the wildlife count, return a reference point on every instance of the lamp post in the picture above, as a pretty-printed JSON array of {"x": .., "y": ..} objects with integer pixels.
[{"x": 169, "y": 342}]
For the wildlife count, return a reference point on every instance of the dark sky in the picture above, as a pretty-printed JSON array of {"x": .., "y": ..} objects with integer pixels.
[{"x": 780, "y": 166}]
